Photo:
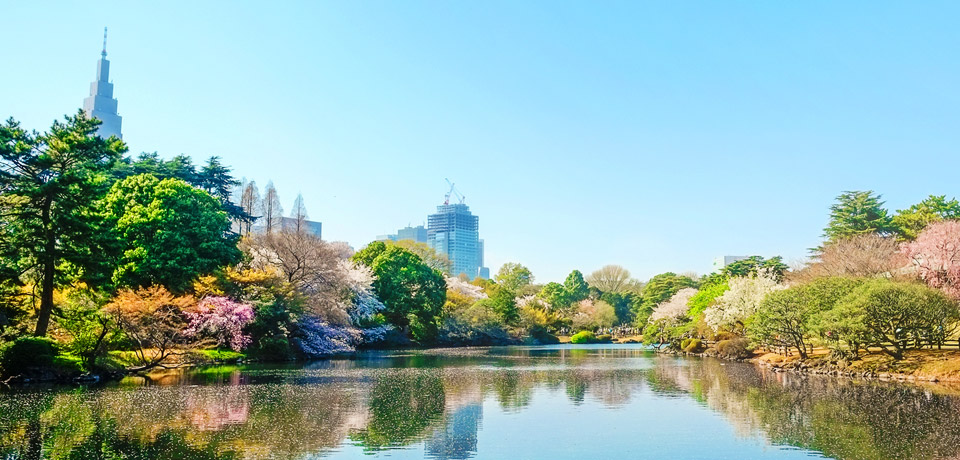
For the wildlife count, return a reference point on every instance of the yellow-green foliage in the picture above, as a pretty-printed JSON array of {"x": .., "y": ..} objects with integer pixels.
[
  {"x": 583, "y": 337},
  {"x": 691, "y": 345},
  {"x": 734, "y": 349}
]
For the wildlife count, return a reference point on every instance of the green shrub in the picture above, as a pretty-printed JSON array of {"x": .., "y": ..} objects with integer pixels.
[
  {"x": 218, "y": 355},
  {"x": 724, "y": 335},
  {"x": 604, "y": 338},
  {"x": 692, "y": 345},
  {"x": 542, "y": 335},
  {"x": 583, "y": 337},
  {"x": 27, "y": 353},
  {"x": 734, "y": 349},
  {"x": 272, "y": 348},
  {"x": 67, "y": 364}
]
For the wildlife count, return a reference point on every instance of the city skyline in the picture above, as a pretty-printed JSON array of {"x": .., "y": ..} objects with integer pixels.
[{"x": 647, "y": 143}]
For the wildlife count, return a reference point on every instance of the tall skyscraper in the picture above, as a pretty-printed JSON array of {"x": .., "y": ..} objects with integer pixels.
[
  {"x": 101, "y": 104},
  {"x": 454, "y": 232}
]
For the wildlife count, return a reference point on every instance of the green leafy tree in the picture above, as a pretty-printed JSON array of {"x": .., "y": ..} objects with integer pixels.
[
  {"x": 576, "y": 287},
  {"x": 514, "y": 276},
  {"x": 787, "y": 317},
  {"x": 51, "y": 233},
  {"x": 900, "y": 315},
  {"x": 413, "y": 292},
  {"x": 503, "y": 302},
  {"x": 555, "y": 296},
  {"x": 622, "y": 303},
  {"x": 911, "y": 221},
  {"x": 707, "y": 295},
  {"x": 857, "y": 213},
  {"x": 659, "y": 289},
  {"x": 429, "y": 255},
  {"x": 751, "y": 265},
  {"x": 167, "y": 231}
]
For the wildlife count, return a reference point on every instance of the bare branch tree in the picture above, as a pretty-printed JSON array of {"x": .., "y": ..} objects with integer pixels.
[
  {"x": 312, "y": 266},
  {"x": 868, "y": 255},
  {"x": 614, "y": 279},
  {"x": 250, "y": 202},
  {"x": 272, "y": 210},
  {"x": 299, "y": 214}
]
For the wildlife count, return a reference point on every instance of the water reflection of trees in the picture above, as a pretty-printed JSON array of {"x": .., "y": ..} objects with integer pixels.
[
  {"x": 292, "y": 413},
  {"x": 402, "y": 405},
  {"x": 262, "y": 421},
  {"x": 368, "y": 405},
  {"x": 841, "y": 418}
]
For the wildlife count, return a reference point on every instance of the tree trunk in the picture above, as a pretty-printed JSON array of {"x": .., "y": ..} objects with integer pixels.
[
  {"x": 34, "y": 439},
  {"x": 49, "y": 270},
  {"x": 896, "y": 352}
]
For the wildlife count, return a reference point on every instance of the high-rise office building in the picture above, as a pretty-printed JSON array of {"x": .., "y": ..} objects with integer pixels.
[
  {"x": 454, "y": 231},
  {"x": 292, "y": 224},
  {"x": 417, "y": 234},
  {"x": 101, "y": 104},
  {"x": 484, "y": 271}
]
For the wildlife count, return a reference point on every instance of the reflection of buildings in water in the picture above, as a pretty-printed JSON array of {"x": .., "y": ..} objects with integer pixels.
[{"x": 458, "y": 439}]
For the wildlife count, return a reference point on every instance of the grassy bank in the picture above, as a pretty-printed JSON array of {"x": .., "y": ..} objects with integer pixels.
[{"x": 917, "y": 365}]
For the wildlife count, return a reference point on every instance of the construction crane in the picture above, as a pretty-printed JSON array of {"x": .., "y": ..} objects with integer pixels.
[{"x": 453, "y": 192}]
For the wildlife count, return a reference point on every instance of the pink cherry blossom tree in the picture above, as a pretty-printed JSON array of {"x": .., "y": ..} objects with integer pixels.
[
  {"x": 936, "y": 255},
  {"x": 221, "y": 319}
]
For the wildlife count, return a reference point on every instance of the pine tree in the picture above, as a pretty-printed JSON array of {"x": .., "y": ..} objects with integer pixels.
[
  {"x": 857, "y": 213},
  {"x": 50, "y": 183}
]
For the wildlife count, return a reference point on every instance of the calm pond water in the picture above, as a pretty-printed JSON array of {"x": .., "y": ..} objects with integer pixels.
[{"x": 560, "y": 402}]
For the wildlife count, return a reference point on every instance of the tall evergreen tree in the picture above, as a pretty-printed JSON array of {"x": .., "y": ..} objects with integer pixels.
[
  {"x": 857, "y": 213},
  {"x": 577, "y": 289},
  {"x": 49, "y": 184},
  {"x": 181, "y": 167},
  {"x": 215, "y": 179}
]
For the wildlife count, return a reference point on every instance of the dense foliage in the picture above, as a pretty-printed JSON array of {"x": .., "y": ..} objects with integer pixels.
[
  {"x": 132, "y": 263},
  {"x": 167, "y": 232},
  {"x": 51, "y": 234},
  {"x": 413, "y": 292}
]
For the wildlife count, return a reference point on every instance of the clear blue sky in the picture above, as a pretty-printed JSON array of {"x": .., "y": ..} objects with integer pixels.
[{"x": 657, "y": 135}]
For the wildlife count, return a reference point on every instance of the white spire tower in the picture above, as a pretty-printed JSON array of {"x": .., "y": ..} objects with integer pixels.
[{"x": 101, "y": 104}]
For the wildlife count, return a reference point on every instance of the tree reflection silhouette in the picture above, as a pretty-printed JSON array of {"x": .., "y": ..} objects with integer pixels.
[{"x": 402, "y": 405}]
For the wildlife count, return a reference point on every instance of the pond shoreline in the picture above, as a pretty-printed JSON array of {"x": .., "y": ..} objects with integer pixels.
[{"x": 920, "y": 366}]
